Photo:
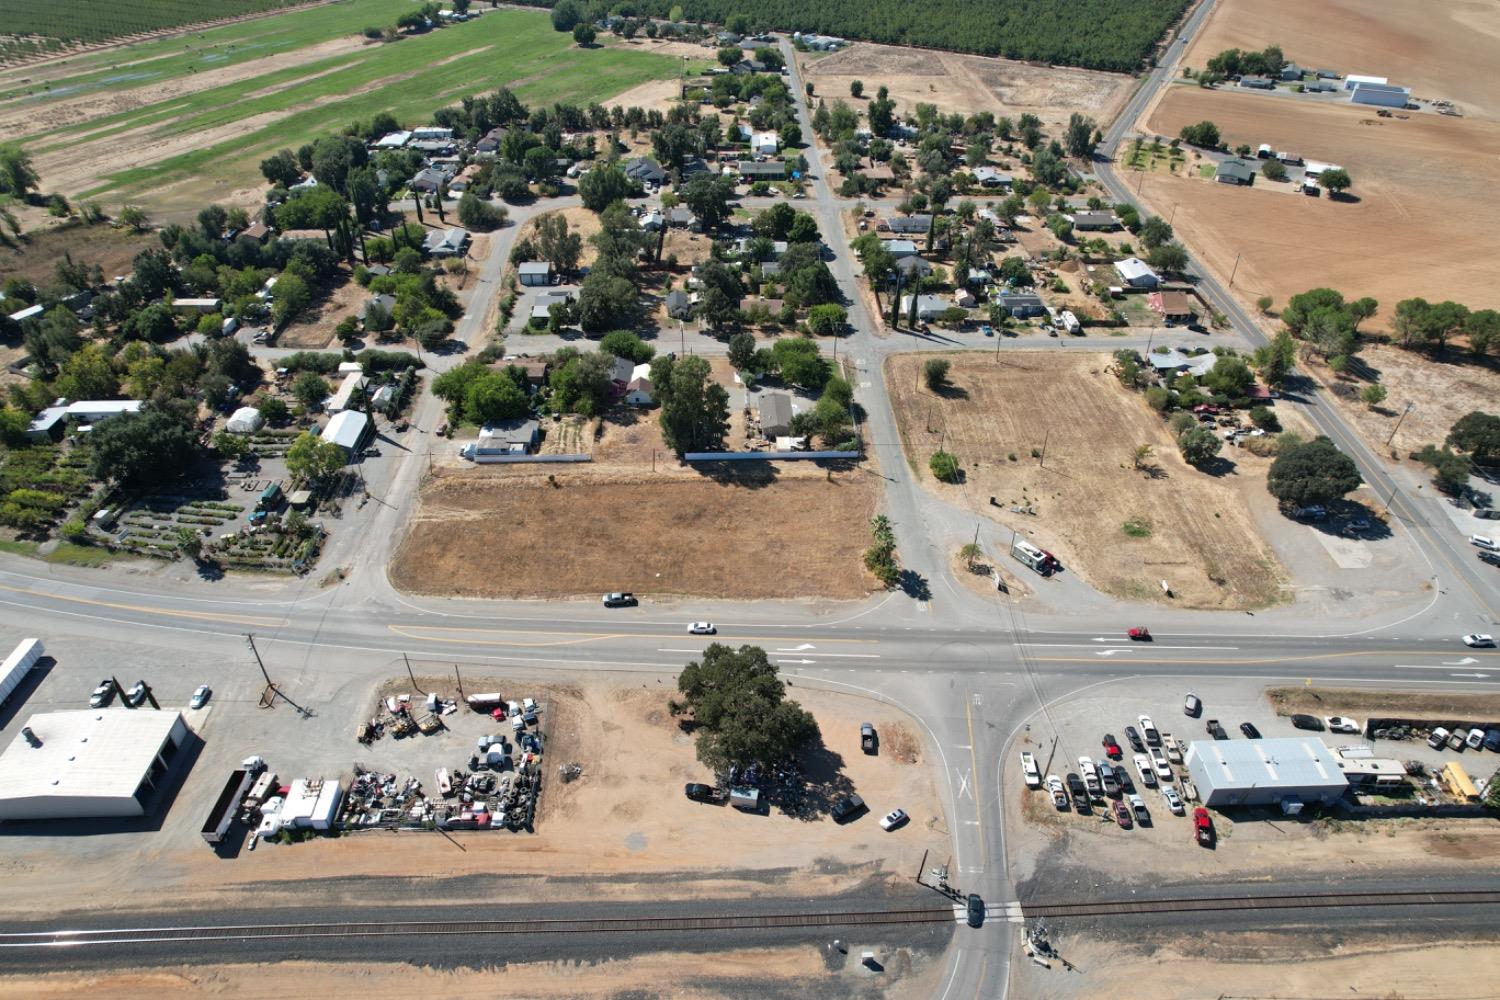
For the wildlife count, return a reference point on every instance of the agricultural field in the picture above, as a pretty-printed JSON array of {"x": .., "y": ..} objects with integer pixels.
[
  {"x": 1402, "y": 233},
  {"x": 1121, "y": 529},
  {"x": 1442, "y": 51},
  {"x": 171, "y": 132},
  {"x": 1099, "y": 34},
  {"x": 966, "y": 84},
  {"x": 39, "y": 26}
]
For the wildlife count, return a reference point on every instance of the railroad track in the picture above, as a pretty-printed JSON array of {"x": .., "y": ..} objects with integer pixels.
[
  {"x": 419, "y": 928},
  {"x": 1223, "y": 903}
]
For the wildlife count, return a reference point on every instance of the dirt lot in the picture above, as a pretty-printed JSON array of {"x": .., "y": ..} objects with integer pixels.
[
  {"x": 686, "y": 533},
  {"x": 684, "y": 976},
  {"x": 580, "y": 221},
  {"x": 1439, "y": 392},
  {"x": 1202, "y": 537},
  {"x": 1303, "y": 963},
  {"x": 626, "y": 817},
  {"x": 1442, "y": 51},
  {"x": 1286, "y": 701},
  {"x": 1405, "y": 235},
  {"x": 112, "y": 249},
  {"x": 968, "y": 83}
]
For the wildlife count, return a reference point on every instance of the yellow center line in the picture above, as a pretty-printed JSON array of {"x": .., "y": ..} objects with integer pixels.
[
  {"x": 412, "y": 633},
  {"x": 574, "y": 637},
  {"x": 207, "y": 616},
  {"x": 984, "y": 852},
  {"x": 1242, "y": 661}
]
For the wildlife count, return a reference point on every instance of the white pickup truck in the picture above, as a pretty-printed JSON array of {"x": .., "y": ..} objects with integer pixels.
[
  {"x": 1090, "y": 775},
  {"x": 1029, "y": 769}
]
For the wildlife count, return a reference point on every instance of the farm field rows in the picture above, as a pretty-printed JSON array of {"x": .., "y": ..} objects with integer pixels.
[
  {"x": 966, "y": 84},
  {"x": 1443, "y": 51},
  {"x": 41, "y": 26},
  {"x": 1422, "y": 222},
  {"x": 179, "y": 143},
  {"x": 1198, "y": 531}
]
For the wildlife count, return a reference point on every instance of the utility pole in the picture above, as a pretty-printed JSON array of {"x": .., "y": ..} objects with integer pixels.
[
  {"x": 1173, "y": 215},
  {"x": 1042, "y": 460},
  {"x": 412, "y": 675},
  {"x": 457, "y": 677},
  {"x": 975, "y": 547},
  {"x": 250, "y": 641},
  {"x": 1235, "y": 270},
  {"x": 1409, "y": 407}
]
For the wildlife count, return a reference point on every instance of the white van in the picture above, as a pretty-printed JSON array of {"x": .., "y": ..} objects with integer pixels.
[{"x": 1484, "y": 542}]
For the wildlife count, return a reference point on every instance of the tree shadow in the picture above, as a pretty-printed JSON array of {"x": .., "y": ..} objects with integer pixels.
[
  {"x": 950, "y": 391},
  {"x": 1218, "y": 467},
  {"x": 821, "y": 784},
  {"x": 914, "y": 585},
  {"x": 745, "y": 474}
]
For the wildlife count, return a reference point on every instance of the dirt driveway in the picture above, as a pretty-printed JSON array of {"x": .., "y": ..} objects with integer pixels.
[{"x": 1121, "y": 529}]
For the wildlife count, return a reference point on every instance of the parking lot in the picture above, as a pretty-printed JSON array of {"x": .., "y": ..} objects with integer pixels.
[{"x": 1044, "y": 840}]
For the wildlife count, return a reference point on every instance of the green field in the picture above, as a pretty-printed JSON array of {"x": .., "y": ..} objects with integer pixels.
[
  {"x": 409, "y": 78},
  {"x": 44, "y": 26}
]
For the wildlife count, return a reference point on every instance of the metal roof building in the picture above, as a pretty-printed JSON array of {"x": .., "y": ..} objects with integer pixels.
[
  {"x": 347, "y": 429},
  {"x": 100, "y": 762},
  {"x": 1265, "y": 772}
]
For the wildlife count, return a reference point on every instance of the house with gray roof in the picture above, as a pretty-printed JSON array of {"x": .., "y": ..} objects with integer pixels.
[{"x": 1235, "y": 171}]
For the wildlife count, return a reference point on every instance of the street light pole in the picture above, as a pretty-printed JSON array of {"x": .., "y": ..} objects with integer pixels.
[{"x": 1409, "y": 407}]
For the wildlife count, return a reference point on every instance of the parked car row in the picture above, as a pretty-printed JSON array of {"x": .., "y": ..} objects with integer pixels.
[{"x": 104, "y": 694}]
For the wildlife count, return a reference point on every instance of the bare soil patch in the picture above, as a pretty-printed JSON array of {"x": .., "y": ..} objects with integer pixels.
[
  {"x": 1406, "y": 235},
  {"x": 1418, "y": 704},
  {"x": 1310, "y": 962},
  {"x": 1442, "y": 51},
  {"x": 37, "y": 259},
  {"x": 968, "y": 83},
  {"x": 315, "y": 329},
  {"x": 552, "y": 534},
  {"x": 1202, "y": 538},
  {"x": 580, "y": 221},
  {"x": 1439, "y": 392},
  {"x": 719, "y": 975}
]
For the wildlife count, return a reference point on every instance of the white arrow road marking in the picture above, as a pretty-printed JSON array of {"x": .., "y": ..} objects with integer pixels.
[
  {"x": 797, "y": 649},
  {"x": 1460, "y": 663},
  {"x": 1422, "y": 666},
  {"x": 850, "y": 656},
  {"x": 1111, "y": 640},
  {"x": 1468, "y": 675},
  {"x": 803, "y": 662},
  {"x": 1110, "y": 652}
]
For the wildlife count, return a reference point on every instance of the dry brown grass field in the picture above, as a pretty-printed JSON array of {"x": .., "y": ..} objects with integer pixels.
[
  {"x": 1423, "y": 223},
  {"x": 1443, "y": 51},
  {"x": 1202, "y": 539}
]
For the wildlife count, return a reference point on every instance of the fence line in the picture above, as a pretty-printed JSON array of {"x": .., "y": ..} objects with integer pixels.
[{"x": 767, "y": 456}]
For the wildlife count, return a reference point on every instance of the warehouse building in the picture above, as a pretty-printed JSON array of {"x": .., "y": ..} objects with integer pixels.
[
  {"x": 95, "y": 763},
  {"x": 1286, "y": 772},
  {"x": 1383, "y": 95}
]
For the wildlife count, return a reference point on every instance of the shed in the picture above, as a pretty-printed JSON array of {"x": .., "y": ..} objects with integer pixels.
[
  {"x": 535, "y": 272},
  {"x": 245, "y": 420},
  {"x": 1136, "y": 273},
  {"x": 1265, "y": 772},
  {"x": 1381, "y": 95},
  {"x": 195, "y": 305},
  {"x": 1235, "y": 171},
  {"x": 344, "y": 394},
  {"x": 347, "y": 430},
  {"x": 775, "y": 414}
]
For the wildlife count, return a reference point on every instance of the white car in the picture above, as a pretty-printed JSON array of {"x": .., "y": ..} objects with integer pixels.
[
  {"x": 1146, "y": 770},
  {"x": 1340, "y": 724},
  {"x": 1162, "y": 765},
  {"x": 1174, "y": 801},
  {"x": 528, "y": 709},
  {"x": 1029, "y": 770},
  {"x": 893, "y": 819},
  {"x": 1149, "y": 732},
  {"x": 1476, "y": 739},
  {"x": 1090, "y": 775},
  {"x": 1059, "y": 794},
  {"x": 1479, "y": 640},
  {"x": 200, "y": 697},
  {"x": 702, "y": 628}
]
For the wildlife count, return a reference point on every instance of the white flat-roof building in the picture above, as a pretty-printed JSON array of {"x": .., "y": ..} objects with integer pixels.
[
  {"x": 28, "y": 313},
  {"x": 50, "y": 421},
  {"x": 347, "y": 430},
  {"x": 393, "y": 140},
  {"x": 99, "y": 762},
  {"x": 339, "y": 401},
  {"x": 1355, "y": 79},
  {"x": 311, "y": 804}
]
